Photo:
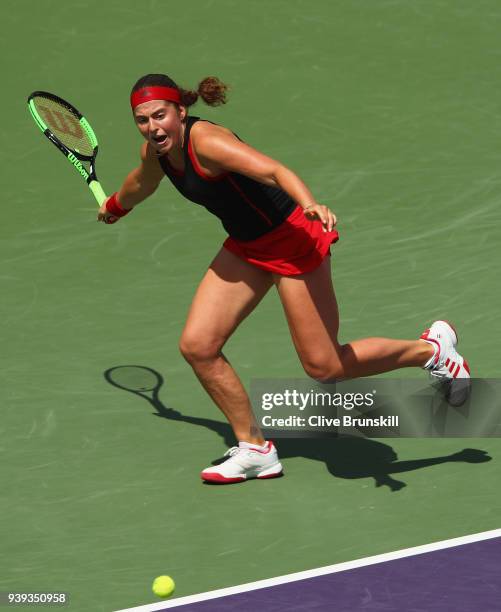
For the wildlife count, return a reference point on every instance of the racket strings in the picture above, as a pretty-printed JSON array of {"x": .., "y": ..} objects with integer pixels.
[{"x": 65, "y": 125}]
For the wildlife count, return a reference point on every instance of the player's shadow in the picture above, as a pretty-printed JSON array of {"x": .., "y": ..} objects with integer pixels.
[
  {"x": 356, "y": 457},
  {"x": 347, "y": 457}
]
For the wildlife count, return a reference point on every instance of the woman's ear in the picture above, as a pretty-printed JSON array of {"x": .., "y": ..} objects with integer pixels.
[{"x": 182, "y": 112}]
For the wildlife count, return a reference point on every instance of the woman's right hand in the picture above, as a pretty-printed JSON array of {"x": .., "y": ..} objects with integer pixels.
[{"x": 104, "y": 216}]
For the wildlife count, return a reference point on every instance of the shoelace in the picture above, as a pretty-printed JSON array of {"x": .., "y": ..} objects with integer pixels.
[{"x": 234, "y": 450}]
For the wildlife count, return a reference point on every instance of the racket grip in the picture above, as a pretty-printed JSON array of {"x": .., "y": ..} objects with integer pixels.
[{"x": 97, "y": 190}]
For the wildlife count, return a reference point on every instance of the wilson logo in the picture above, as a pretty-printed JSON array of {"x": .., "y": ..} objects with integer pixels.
[
  {"x": 78, "y": 165},
  {"x": 62, "y": 122}
]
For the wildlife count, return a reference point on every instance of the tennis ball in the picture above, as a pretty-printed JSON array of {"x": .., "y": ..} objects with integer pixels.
[{"x": 163, "y": 586}]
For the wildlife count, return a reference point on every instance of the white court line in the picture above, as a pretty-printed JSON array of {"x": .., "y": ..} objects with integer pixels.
[{"x": 319, "y": 571}]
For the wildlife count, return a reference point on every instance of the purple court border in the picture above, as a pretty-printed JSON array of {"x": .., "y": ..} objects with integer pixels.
[{"x": 459, "y": 575}]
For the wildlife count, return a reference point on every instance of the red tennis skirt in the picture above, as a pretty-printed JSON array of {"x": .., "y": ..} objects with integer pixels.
[{"x": 296, "y": 246}]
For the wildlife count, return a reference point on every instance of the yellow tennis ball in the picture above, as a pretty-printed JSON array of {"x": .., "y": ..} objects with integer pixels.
[{"x": 163, "y": 586}]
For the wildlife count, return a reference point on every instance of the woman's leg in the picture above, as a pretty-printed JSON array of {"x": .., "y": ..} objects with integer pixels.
[
  {"x": 312, "y": 313},
  {"x": 228, "y": 293}
]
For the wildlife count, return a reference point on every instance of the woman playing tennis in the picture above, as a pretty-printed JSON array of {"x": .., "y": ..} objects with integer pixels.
[{"x": 278, "y": 235}]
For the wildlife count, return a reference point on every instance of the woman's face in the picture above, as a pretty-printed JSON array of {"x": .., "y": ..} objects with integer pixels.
[{"x": 161, "y": 124}]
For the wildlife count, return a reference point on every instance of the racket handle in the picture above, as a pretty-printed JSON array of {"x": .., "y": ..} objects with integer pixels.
[{"x": 97, "y": 190}]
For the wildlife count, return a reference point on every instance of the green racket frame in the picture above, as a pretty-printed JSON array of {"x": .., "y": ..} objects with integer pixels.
[{"x": 74, "y": 157}]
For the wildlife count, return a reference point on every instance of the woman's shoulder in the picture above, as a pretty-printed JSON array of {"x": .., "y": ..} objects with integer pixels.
[
  {"x": 206, "y": 138},
  {"x": 202, "y": 129}
]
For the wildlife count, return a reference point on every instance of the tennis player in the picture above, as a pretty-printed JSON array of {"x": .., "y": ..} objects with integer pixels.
[{"x": 278, "y": 234}]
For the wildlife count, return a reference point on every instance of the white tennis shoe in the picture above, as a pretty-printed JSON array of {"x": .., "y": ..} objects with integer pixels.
[
  {"x": 245, "y": 461},
  {"x": 446, "y": 364}
]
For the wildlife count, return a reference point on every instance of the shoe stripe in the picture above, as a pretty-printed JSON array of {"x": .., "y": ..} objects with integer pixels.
[
  {"x": 269, "y": 444},
  {"x": 447, "y": 362},
  {"x": 270, "y": 475},
  {"x": 456, "y": 372},
  {"x": 215, "y": 477},
  {"x": 452, "y": 366},
  {"x": 466, "y": 366}
]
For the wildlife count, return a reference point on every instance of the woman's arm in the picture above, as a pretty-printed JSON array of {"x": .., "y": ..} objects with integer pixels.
[
  {"x": 219, "y": 150},
  {"x": 139, "y": 184}
]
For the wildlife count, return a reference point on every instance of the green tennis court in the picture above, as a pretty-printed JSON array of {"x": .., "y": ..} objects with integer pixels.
[{"x": 389, "y": 110}]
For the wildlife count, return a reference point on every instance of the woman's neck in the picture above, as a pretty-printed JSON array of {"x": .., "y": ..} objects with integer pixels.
[{"x": 176, "y": 154}]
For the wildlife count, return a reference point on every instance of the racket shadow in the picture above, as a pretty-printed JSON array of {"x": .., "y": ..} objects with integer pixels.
[
  {"x": 146, "y": 383},
  {"x": 347, "y": 457}
]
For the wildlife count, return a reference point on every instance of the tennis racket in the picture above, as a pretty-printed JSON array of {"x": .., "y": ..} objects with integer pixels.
[{"x": 68, "y": 129}]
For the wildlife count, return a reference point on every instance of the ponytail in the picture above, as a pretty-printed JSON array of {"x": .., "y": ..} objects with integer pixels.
[{"x": 211, "y": 90}]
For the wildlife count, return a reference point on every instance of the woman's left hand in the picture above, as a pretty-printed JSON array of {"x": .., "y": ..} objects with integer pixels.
[{"x": 325, "y": 215}]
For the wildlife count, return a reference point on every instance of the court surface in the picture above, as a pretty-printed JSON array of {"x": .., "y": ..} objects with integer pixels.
[{"x": 389, "y": 111}]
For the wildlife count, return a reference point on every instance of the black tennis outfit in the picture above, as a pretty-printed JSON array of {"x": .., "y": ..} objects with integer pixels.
[
  {"x": 247, "y": 209},
  {"x": 266, "y": 227}
]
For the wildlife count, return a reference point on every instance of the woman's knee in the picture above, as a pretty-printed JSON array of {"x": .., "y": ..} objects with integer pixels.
[
  {"x": 195, "y": 348},
  {"x": 328, "y": 365},
  {"x": 323, "y": 369}
]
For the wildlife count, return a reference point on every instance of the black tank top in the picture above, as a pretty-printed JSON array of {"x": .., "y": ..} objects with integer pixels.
[{"x": 247, "y": 209}]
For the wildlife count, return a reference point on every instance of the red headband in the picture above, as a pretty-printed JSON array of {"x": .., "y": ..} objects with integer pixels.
[{"x": 154, "y": 93}]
